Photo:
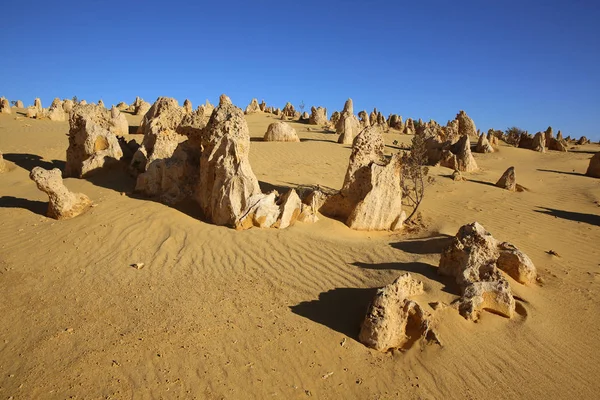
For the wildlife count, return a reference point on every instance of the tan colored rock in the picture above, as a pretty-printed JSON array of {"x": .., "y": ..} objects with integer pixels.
[
  {"x": 318, "y": 116},
  {"x": 19, "y": 104},
  {"x": 493, "y": 139},
  {"x": 277, "y": 111},
  {"x": 483, "y": 145},
  {"x": 3, "y": 164},
  {"x": 391, "y": 312},
  {"x": 594, "y": 166},
  {"x": 122, "y": 106},
  {"x": 539, "y": 142},
  {"x": 31, "y": 112},
  {"x": 549, "y": 135},
  {"x": 583, "y": 140},
  {"x": 348, "y": 126},
  {"x": 281, "y": 132},
  {"x": 308, "y": 214},
  {"x": 457, "y": 176},
  {"x": 371, "y": 197},
  {"x": 289, "y": 111},
  {"x": 5, "y": 106},
  {"x": 92, "y": 142},
  {"x": 459, "y": 156},
  {"x": 508, "y": 180},
  {"x": 67, "y": 105},
  {"x": 364, "y": 119},
  {"x": 56, "y": 111},
  {"x": 82, "y": 102},
  {"x": 63, "y": 203},
  {"x": 101, "y": 103},
  {"x": 558, "y": 144},
  {"x": 226, "y": 179},
  {"x": 466, "y": 126},
  {"x": 187, "y": 106},
  {"x": 395, "y": 122},
  {"x": 475, "y": 258},
  {"x": 409, "y": 127},
  {"x": 37, "y": 104},
  {"x": 253, "y": 107},
  {"x": 304, "y": 117},
  {"x": 289, "y": 209},
  {"x": 140, "y": 107},
  {"x": 119, "y": 122},
  {"x": 262, "y": 106}
]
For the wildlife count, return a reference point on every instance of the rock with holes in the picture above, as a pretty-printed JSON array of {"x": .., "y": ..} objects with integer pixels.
[
  {"x": 318, "y": 116},
  {"x": 281, "y": 132},
  {"x": 458, "y": 156},
  {"x": 483, "y": 145},
  {"x": 594, "y": 166},
  {"x": 348, "y": 126},
  {"x": 391, "y": 314},
  {"x": 508, "y": 180},
  {"x": 474, "y": 259},
  {"x": 371, "y": 197},
  {"x": 226, "y": 179},
  {"x": 63, "y": 203},
  {"x": 253, "y": 107},
  {"x": 92, "y": 141}
]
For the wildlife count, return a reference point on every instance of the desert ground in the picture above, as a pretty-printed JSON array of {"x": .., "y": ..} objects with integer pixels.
[{"x": 264, "y": 313}]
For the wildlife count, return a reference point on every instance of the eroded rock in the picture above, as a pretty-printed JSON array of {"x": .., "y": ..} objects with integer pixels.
[
  {"x": 253, "y": 107},
  {"x": 318, "y": 116},
  {"x": 458, "y": 156},
  {"x": 508, "y": 180},
  {"x": 281, "y": 132},
  {"x": 594, "y": 166},
  {"x": 347, "y": 127}
]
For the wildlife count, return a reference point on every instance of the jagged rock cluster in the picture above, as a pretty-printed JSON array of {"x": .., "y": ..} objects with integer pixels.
[
  {"x": 63, "y": 203},
  {"x": 458, "y": 156},
  {"x": 475, "y": 259},
  {"x": 391, "y": 313},
  {"x": 371, "y": 197},
  {"x": 318, "y": 116},
  {"x": 347, "y": 125},
  {"x": 93, "y": 143}
]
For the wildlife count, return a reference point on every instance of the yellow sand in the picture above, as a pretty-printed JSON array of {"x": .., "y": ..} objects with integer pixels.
[{"x": 261, "y": 314}]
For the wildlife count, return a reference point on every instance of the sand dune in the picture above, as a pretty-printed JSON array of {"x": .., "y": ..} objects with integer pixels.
[{"x": 217, "y": 313}]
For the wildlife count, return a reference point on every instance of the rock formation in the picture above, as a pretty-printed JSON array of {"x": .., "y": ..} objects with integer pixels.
[
  {"x": 318, "y": 116},
  {"x": 253, "y": 107},
  {"x": 391, "y": 314},
  {"x": 101, "y": 103},
  {"x": 92, "y": 142},
  {"x": 459, "y": 156},
  {"x": 409, "y": 127},
  {"x": 364, "y": 119},
  {"x": 475, "y": 259},
  {"x": 371, "y": 197},
  {"x": 37, "y": 104},
  {"x": 395, "y": 122},
  {"x": 67, "y": 105},
  {"x": 262, "y": 106},
  {"x": 539, "y": 142},
  {"x": 122, "y": 106},
  {"x": 56, "y": 111},
  {"x": 5, "y": 106},
  {"x": 583, "y": 140},
  {"x": 594, "y": 166},
  {"x": 19, "y": 104},
  {"x": 304, "y": 117},
  {"x": 508, "y": 180},
  {"x": 187, "y": 106},
  {"x": 281, "y": 132},
  {"x": 82, "y": 102},
  {"x": 348, "y": 126},
  {"x": 63, "y": 203},
  {"x": 119, "y": 122},
  {"x": 466, "y": 126},
  {"x": 140, "y": 107},
  {"x": 289, "y": 111},
  {"x": 483, "y": 145},
  {"x": 492, "y": 138},
  {"x": 3, "y": 165}
]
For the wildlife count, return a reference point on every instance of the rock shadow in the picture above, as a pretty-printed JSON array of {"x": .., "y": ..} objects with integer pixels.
[
  {"x": 432, "y": 245},
  {"x": 340, "y": 309},
  {"x": 561, "y": 172},
  {"x": 30, "y": 161},
  {"x": 35, "y": 206},
  {"x": 482, "y": 182},
  {"x": 317, "y": 140},
  {"x": 591, "y": 219},
  {"x": 427, "y": 270}
]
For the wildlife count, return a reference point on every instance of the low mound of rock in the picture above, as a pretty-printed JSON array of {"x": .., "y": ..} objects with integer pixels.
[
  {"x": 475, "y": 259},
  {"x": 391, "y": 314},
  {"x": 63, "y": 203},
  {"x": 281, "y": 132}
]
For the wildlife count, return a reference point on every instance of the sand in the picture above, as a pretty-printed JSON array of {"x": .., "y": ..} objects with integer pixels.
[{"x": 216, "y": 313}]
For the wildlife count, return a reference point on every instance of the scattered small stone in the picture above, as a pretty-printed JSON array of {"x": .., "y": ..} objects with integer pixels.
[
  {"x": 553, "y": 253},
  {"x": 69, "y": 330},
  {"x": 343, "y": 342},
  {"x": 138, "y": 265},
  {"x": 327, "y": 375}
]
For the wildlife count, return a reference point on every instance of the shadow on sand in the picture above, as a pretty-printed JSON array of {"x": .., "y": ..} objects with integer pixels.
[
  {"x": 591, "y": 219},
  {"x": 30, "y": 161},
  {"x": 432, "y": 245},
  {"x": 341, "y": 309},
  {"x": 35, "y": 206},
  {"x": 561, "y": 172}
]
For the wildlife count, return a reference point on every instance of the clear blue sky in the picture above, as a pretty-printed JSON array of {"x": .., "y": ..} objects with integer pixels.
[{"x": 524, "y": 63}]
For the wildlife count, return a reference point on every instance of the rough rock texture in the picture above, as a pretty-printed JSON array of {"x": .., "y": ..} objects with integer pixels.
[
  {"x": 226, "y": 179},
  {"x": 392, "y": 317},
  {"x": 82, "y": 102},
  {"x": 347, "y": 127},
  {"x": 493, "y": 139},
  {"x": 281, "y": 132},
  {"x": 594, "y": 166},
  {"x": 92, "y": 142},
  {"x": 508, "y": 180},
  {"x": 63, "y": 203},
  {"x": 395, "y": 122},
  {"x": 318, "y": 116},
  {"x": 483, "y": 145},
  {"x": 158, "y": 127},
  {"x": 539, "y": 142},
  {"x": 19, "y": 104},
  {"x": 140, "y": 107},
  {"x": 56, "y": 111},
  {"x": 37, "y": 104},
  {"x": 364, "y": 119},
  {"x": 67, "y": 105},
  {"x": 459, "y": 156},
  {"x": 549, "y": 135},
  {"x": 466, "y": 126},
  {"x": 289, "y": 111},
  {"x": 409, "y": 127},
  {"x": 5, "y": 106},
  {"x": 371, "y": 197},
  {"x": 583, "y": 140},
  {"x": 253, "y": 107},
  {"x": 558, "y": 143},
  {"x": 457, "y": 176},
  {"x": 119, "y": 122},
  {"x": 475, "y": 258},
  {"x": 31, "y": 112},
  {"x": 187, "y": 106}
]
